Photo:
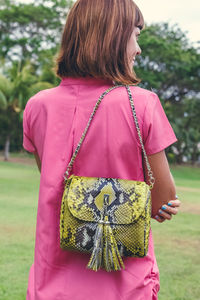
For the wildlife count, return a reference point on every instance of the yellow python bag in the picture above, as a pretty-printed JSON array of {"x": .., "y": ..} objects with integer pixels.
[{"x": 107, "y": 217}]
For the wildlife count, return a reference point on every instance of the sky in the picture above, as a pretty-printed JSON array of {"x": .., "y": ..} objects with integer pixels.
[{"x": 182, "y": 12}]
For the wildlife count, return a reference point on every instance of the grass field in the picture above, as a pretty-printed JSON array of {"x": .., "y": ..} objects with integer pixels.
[{"x": 177, "y": 243}]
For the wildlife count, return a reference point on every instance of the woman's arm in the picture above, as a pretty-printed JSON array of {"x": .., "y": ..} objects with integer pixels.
[
  {"x": 164, "y": 188},
  {"x": 38, "y": 161}
]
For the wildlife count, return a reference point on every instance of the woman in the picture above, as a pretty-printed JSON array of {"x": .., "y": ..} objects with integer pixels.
[{"x": 99, "y": 46}]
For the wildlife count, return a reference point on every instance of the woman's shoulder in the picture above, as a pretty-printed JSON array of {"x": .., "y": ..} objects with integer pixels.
[
  {"x": 42, "y": 97},
  {"x": 143, "y": 94},
  {"x": 141, "y": 97},
  {"x": 138, "y": 92}
]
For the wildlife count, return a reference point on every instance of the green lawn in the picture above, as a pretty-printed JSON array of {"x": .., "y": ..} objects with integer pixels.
[
  {"x": 177, "y": 243},
  {"x": 18, "y": 208}
]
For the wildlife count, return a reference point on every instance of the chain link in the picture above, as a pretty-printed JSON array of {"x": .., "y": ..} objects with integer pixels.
[
  {"x": 150, "y": 173},
  {"x": 70, "y": 165}
]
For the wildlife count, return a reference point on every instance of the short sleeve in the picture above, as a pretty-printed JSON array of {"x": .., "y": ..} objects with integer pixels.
[
  {"x": 27, "y": 141},
  {"x": 158, "y": 133}
]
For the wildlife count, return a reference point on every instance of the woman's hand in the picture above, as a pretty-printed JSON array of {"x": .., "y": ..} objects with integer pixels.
[{"x": 166, "y": 211}]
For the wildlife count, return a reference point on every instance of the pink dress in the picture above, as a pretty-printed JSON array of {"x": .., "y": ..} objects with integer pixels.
[{"x": 54, "y": 120}]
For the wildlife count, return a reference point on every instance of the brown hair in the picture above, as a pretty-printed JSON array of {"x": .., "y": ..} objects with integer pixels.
[{"x": 95, "y": 38}]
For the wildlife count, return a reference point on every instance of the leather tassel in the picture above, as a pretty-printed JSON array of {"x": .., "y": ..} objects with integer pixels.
[
  {"x": 95, "y": 261},
  {"x": 112, "y": 258},
  {"x": 105, "y": 252}
]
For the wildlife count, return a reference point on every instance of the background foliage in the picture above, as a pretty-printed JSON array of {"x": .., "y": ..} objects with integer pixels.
[{"x": 29, "y": 40}]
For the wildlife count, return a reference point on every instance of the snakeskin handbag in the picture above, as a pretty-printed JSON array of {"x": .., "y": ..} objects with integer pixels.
[{"x": 107, "y": 217}]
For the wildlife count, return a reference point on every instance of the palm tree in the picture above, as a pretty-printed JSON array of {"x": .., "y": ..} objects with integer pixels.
[
  {"x": 6, "y": 103},
  {"x": 14, "y": 93}
]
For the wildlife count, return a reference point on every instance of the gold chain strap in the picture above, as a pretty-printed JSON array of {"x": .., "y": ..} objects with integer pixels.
[{"x": 70, "y": 165}]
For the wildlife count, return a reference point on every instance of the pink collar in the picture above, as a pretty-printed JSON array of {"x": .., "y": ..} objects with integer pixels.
[{"x": 85, "y": 81}]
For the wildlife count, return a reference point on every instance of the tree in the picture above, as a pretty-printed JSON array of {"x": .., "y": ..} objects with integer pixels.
[
  {"x": 29, "y": 37},
  {"x": 170, "y": 66},
  {"x": 27, "y": 29},
  {"x": 14, "y": 94}
]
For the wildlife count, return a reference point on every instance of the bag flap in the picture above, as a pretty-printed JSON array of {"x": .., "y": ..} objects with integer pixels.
[{"x": 91, "y": 199}]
